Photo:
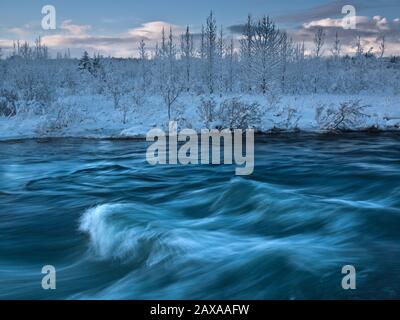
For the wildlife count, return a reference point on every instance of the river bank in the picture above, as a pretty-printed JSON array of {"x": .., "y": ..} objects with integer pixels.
[{"x": 95, "y": 117}]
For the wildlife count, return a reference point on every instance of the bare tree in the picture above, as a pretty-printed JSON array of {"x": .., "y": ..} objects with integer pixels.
[
  {"x": 163, "y": 43},
  {"x": 220, "y": 55},
  {"x": 171, "y": 49},
  {"x": 359, "y": 47},
  {"x": 170, "y": 80},
  {"x": 382, "y": 47},
  {"x": 41, "y": 51},
  {"x": 246, "y": 51},
  {"x": 187, "y": 55},
  {"x": 231, "y": 62},
  {"x": 171, "y": 89},
  {"x": 202, "y": 52},
  {"x": 286, "y": 50},
  {"x": 143, "y": 66},
  {"x": 211, "y": 38},
  {"x": 142, "y": 50},
  {"x": 337, "y": 47},
  {"x": 319, "y": 41}
]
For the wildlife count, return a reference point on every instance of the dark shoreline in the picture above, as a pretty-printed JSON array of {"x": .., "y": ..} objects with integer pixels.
[{"x": 258, "y": 135}]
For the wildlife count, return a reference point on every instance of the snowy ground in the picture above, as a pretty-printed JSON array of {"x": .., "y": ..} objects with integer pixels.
[{"x": 95, "y": 117}]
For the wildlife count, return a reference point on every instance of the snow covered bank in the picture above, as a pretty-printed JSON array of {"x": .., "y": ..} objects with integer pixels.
[{"x": 93, "y": 116}]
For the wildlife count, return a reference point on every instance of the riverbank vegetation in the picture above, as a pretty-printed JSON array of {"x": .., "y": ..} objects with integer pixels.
[{"x": 263, "y": 80}]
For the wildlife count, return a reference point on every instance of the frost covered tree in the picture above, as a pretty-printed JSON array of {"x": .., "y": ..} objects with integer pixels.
[
  {"x": 231, "y": 57},
  {"x": 286, "y": 51},
  {"x": 163, "y": 50},
  {"x": 41, "y": 50},
  {"x": 85, "y": 63},
  {"x": 67, "y": 54},
  {"x": 96, "y": 66},
  {"x": 145, "y": 77},
  {"x": 202, "y": 50},
  {"x": 220, "y": 61},
  {"x": 246, "y": 51},
  {"x": 319, "y": 42},
  {"x": 382, "y": 47},
  {"x": 359, "y": 65},
  {"x": 337, "y": 47},
  {"x": 211, "y": 44},
  {"x": 115, "y": 87},
  {"x": 169, "y": 80},
  {"x": 142, "y": 50},
  {"x": 267, "y": 44},
  {"x": 187, "y": 56}
]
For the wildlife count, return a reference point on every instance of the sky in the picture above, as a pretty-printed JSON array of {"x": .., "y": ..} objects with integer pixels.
[{"x": 115, "y": 27}]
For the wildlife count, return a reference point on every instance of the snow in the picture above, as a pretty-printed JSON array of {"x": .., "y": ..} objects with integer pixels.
[
  {"x": 266, "y": 82},
  {"x": 95, "y": 116}
]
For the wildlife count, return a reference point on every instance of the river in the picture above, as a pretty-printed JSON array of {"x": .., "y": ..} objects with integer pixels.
[{"x": 115, "y": 227}]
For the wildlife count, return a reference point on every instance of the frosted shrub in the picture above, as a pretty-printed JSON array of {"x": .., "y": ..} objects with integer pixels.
[
  {"x": 207, "y": 111},
  {"x": 33, "y": 83},
  {"x": 170, "y": 92},
  {"x": 348, "y": 116},
  {"x": 273, "y": 96},
  {"x": 126, "y": 108},
  {"x": 237, "y": 114},
  {"x": 289, "y": 118},
  {"x": 138, "y": 98},
  {"x": 138, "y": 95},
  {"x": 178, "y": 115},
  {"x": 61, "y": 116},
  {"x": 114, "y": 88},
  {"x": 8, "y": 101}
]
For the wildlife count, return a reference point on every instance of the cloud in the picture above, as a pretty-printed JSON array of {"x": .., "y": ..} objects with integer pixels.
[
  {"x": 92, "y": 42},
  {"x": 19, "y": 31},
  {"x": 319, "y": 12},
  {"x": 6, "y": 44},
  {"x": 74, "y": 29},
  {"x": 152, "y": 30},
  {"x": 122, "y": 45},
  {"x": 366, "y": 26},
  {"x": 334, "y": 9},
  {"x": 370, "y": 29},
  {"x": 78, "y": 38}
]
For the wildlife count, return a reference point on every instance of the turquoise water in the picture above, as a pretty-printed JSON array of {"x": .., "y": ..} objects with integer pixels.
[{"x": 116, "y": 228}]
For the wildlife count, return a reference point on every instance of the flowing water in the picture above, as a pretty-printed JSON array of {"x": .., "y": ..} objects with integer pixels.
[{"x": 115, "y": 227}]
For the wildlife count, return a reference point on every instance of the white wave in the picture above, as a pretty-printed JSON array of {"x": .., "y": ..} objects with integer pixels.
[
  {"x": 196, "y": 251},
  {"x": 117, "y": 231}
]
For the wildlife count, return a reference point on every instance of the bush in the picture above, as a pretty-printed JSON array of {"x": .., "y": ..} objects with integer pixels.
[
  {"x": 207, "y": 111},
  {"x": 237, "y": 114},
  {"x": 288, "y": 118},
  {"x": 61, "y": 116},
  {"x": 34, "y": 83},
  {"x": 349, "y": 116},
  {"x": 8, "y": 100}
]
